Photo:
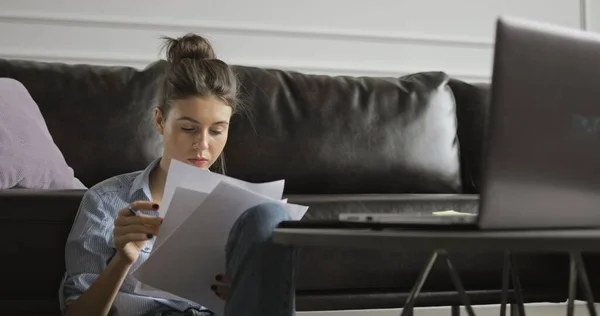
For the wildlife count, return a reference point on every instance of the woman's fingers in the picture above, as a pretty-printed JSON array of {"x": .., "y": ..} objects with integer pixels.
[
  {"x": 138, "y": 220},
  {"x": 127, "y": 216},
  {"x": 144, "y": 205},
  {"x": 138, "y": 206},
  {"x": 221, "y": 277},
  {"x": 135, "y": 237},
  {"x": 221, "y": 289},
  {"x": 221, "y": 286},
  {"x": 123, "y": 230},
  {"x": 221, "y": 296}
]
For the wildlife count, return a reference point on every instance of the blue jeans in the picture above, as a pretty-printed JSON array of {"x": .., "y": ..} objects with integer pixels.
[{"x": 261, "y": 274}]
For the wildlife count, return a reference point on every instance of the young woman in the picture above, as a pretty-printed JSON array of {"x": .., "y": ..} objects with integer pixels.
[{"x": 106, "y": 242}]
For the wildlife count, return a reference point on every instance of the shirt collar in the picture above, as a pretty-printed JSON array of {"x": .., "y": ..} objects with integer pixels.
[{"x": 142, "y": 181}]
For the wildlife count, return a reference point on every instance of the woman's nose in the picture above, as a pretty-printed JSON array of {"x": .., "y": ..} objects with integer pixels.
[{"x": 202, "y": 141}]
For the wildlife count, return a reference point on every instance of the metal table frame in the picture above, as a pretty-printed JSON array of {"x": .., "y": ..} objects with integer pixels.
[{"x": 440, "y": 243}]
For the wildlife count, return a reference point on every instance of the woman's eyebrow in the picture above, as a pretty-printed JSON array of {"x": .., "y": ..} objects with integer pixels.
[{"x": 187, "y": 118}]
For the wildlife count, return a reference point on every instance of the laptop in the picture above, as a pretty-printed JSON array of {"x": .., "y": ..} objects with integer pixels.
[{"x": 541, "y": 160}]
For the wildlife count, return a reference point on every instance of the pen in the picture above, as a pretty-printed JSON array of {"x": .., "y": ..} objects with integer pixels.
[{"x": 134, "y": 212}]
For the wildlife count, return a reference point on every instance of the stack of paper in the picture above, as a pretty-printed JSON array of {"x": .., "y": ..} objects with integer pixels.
[
  {"x": 452, "y": 213},
  {"x": 199, "y": 208}
]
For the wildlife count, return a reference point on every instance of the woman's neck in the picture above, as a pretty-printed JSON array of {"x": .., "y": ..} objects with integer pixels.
[{"x": 157, "y": 180}]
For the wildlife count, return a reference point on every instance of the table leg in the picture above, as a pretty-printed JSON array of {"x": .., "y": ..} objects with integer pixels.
[
  {"x": 572, "y": 286},
  {"x": 455, "y": 310},
  {"x": 585, "y": 282},
  {"x": 514, "y": 271},
  {"x": 514, "y": 310},
  {"x": 505, "y": 282},
  {"x": 410, "y": 302},
  {"x": 459, "y": 286}
]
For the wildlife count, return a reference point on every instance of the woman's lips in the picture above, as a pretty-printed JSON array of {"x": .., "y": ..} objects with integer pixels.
[{"x": 199, "y": 162}]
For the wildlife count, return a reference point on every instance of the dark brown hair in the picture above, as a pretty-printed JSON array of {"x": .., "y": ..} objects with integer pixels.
[{"x": 195, "y": 71}]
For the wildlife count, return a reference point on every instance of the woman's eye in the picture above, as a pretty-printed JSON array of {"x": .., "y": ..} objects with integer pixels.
[
  {"x": 188, "y": 129},
  {"x": 215, "y": 132}
]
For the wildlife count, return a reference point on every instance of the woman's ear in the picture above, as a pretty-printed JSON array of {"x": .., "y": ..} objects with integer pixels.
[{"x": 159, "y": 120}]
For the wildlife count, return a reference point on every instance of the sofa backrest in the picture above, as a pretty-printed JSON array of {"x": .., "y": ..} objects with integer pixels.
[
  {"x": 99, "y": 117},
  {"x": 324, "y": 135},
  {"x": 344, "y": 135}
]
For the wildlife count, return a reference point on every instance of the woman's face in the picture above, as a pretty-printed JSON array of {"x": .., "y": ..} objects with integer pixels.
[{"x": 195, "y": 130}]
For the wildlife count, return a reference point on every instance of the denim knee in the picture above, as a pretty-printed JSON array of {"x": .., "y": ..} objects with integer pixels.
[
  {"x": 266, "y": 214},
  {"x": 256, "y": 224}
]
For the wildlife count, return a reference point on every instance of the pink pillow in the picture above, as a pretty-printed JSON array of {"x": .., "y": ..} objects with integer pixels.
[{"x": 29, "y": 158}]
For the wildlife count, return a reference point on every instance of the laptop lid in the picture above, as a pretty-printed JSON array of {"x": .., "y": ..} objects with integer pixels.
[{"x": 542, "y": 156}]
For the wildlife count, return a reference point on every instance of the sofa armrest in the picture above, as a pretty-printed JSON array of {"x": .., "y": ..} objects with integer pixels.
[
  {"x": 39, "y": 205},
  {"x": 34, "y": 225}
]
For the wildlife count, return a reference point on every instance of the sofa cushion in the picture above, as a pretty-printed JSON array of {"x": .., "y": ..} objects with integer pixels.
[
  {"x": 473, "y": 103},
  {"x": 346, "y": 135},
  {"x": 100, "y": 117},
  {"x": 28, "y": 156}
]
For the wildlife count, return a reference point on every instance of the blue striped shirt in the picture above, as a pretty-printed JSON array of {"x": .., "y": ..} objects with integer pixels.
[{"x": 90, "y": 245}]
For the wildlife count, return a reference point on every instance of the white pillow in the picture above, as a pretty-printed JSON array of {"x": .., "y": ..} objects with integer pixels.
[{"x": 29, "y": 158}]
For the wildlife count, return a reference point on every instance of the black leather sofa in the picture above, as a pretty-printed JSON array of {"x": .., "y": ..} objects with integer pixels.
[{"x": 341, "y": 143}]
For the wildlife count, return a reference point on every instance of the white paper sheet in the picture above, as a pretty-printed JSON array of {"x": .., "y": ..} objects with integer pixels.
[
  {"x": 193, "y": 178},
  {"x": 195, "y": 253},
  {"x": 185, "y": 201},
  {"x": 145, "y": 289}
]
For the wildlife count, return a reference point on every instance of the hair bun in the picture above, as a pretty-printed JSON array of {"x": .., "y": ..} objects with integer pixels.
[{"x": 190, "y": 46}]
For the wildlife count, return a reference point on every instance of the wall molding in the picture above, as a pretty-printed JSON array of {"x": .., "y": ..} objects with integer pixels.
[
  {"x": 585, "y": 19},
  {"x": 128, "y": 22},
  {"x": 301, "y": 66}
]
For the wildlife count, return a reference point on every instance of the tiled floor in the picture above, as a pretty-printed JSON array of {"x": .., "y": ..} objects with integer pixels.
[{"x": 488, "y": 310}]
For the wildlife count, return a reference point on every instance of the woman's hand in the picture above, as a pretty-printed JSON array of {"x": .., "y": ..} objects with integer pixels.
[
  {"x": 131, "y": 232},
  {"x": 221, "y": 287}
]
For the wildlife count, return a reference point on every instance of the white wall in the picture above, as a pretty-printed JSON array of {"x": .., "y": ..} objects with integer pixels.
[
  {"x": 375, "y": 37},
  {"x": 593, "y": 15}
]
